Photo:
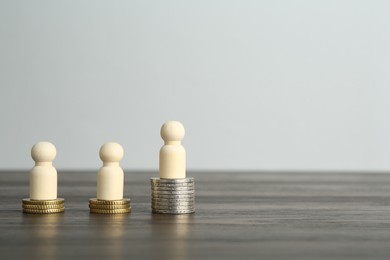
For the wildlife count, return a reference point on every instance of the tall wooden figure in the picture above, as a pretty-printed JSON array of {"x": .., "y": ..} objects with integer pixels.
[
  {"x": 173, "y": 192},
  {"x": 172, "y": 153}
]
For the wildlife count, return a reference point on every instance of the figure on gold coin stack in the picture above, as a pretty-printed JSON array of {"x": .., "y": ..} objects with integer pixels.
[
  {"x": 110, "y": 183},
  {"x": 43, "y": 182}
]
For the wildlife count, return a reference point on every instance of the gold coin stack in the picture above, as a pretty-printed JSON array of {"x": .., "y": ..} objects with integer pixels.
[
  {"x": 109, "y": 206},
  {"x": 43, "y": 206}
]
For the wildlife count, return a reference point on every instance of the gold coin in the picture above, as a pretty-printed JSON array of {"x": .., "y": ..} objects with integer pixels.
[
  {"x": 110, "y": 211},
  {"x": 43, "y": 202},
  {"x": 102, "y": 206},
  {"x": 28, "y": 206},
  {"x": 109, "y": 202},
  {"x": 43, "y": 211}
]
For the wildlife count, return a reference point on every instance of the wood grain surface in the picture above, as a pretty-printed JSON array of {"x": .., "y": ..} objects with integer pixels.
[{"x": 247, "y": 215}]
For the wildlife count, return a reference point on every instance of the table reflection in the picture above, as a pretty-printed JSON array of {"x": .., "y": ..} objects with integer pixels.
[
  {"x": 109, "y": 233},
  {"x": 44, "y": 230},
  {"x": 170, "y": 236}
]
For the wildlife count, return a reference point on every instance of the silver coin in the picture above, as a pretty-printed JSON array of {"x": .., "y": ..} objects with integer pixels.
[
  {"x": 173, "y": 192},
  {"x": 187, "y": 200},
  {"x": 173, "y": 189},
  {"x": 173, "y": 211},
  {"x": 173, "y": 200},
  {"x": 173, "y": 196},
  {"x": 181, "y": 180},
  {"x": 187, "y": 184},
  {"x": 162, "y": 205},
  {"x": 163, "y": 211},
  {"x": 171, "y": 181},
  {"x": 157, "y": 183},
  {"x": 158, "y": 207},
  {"x": 167, "y": 204},
  {"x": 184, "y": 204},
  {"x": 154, "y": 202},
  {"x": 167, "y": 191},
  {"x": 173, "y": 208}
]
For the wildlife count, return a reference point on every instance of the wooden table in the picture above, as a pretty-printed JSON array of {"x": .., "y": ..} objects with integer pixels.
[{"x": 240, "y": 215}]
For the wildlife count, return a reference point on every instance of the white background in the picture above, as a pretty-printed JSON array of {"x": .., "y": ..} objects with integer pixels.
[{"x": 259, "y": 85}]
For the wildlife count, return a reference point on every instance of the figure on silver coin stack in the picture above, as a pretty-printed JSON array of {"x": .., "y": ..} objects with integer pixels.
[{"x": 173, "y": 193}]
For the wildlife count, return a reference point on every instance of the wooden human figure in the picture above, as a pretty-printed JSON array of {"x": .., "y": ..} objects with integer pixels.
[
  {"x": 43, "y": 176},
  {"x": 110, "y": 176},
  {"x": 172, "y": 153}
]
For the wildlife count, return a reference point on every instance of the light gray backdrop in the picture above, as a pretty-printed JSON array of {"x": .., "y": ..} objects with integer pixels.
[{"x": 294, "y": 85}]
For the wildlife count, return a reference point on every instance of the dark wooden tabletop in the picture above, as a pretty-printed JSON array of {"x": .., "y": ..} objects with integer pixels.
[{"x": 247, "y": 215}]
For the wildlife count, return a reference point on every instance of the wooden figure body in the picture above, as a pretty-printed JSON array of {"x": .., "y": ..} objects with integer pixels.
[
  {"x": 110, "y": 176},
  {"x": 172, "y": 153},
  {"x": 43, "y": 176}
]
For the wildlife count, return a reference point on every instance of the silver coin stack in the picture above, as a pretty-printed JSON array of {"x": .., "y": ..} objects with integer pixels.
[{"x": 173, "y": 196}]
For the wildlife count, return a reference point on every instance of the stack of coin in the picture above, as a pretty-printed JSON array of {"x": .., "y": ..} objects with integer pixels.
[
  {"x": 173, "y": 196},
  {"x": 43, "y": 206},
  {"x": 109, "y": 206}
]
